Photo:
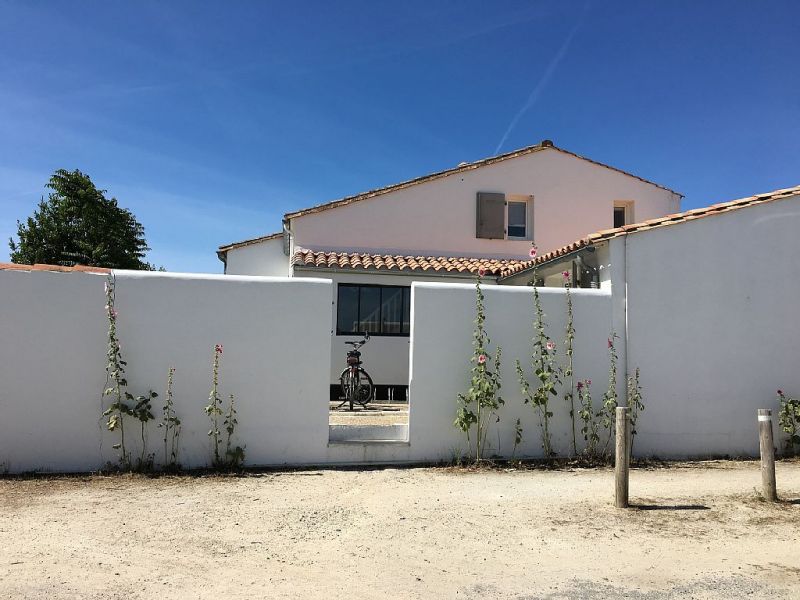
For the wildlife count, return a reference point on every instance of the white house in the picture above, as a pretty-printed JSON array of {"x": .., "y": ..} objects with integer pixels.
[{"x": 443, "y": 227}]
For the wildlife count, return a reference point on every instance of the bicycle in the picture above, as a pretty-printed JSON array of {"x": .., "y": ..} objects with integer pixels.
[{"x": 357, "y": 386}]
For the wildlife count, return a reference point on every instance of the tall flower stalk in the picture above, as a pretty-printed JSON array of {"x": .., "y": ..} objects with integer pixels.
[
  {"x": 544, "y": 367},
  {"x": 587, "y": 416},
  {"x": 569, "y": 373},
  {"x": 234, "y": 455},
  {"x": 171, "y": 425},
  {"x": 115, "y": 377},
  {"x": 610, "y": 398},
  {"x": 635, "y": 402},
  {"x": 214, "y": 407},
  {"x": 482, "y": 399}
]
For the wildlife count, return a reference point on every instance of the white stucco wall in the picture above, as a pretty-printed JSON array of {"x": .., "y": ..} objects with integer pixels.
[
  {"x": 714, "y": 329},
  {"x": 572, "y": 197},
  {"x": 275, "y": 334},
  {"x": 264, "y": 258},
  {"x": 442, "y": 347}
]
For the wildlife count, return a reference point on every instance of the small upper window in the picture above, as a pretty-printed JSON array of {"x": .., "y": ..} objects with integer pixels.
[
  {"x": 623, "y": 213},
  {"x": 517, "y": 219},
  {"x": 619, "y": 216}
]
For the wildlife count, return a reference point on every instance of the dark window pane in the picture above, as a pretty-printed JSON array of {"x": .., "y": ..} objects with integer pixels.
[
  {"x": 370, "y": 314},
  {"x": 407, "y": 310},
  {"x": 619, "y": 216},
  {"x": 517, "y": 219},
  {"x": 391, "y": 310},
  {"x": 347, "y": 309}
]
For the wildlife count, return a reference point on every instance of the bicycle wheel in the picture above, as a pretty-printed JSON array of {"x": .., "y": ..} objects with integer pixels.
[
  {"x": 349, "y": 384},
  {"x": 366, "y": 389}
]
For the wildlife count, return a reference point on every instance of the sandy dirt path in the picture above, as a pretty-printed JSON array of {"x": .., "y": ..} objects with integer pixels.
[{"x": 699, "y": 533}]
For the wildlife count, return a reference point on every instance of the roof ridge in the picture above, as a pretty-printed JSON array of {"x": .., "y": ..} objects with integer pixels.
[{"x": 543, "y": 145}]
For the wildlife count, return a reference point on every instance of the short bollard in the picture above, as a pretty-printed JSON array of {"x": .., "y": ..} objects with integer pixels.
[
  {"x": 622, "y": 456},
  {"x": 765, "y": 443}
]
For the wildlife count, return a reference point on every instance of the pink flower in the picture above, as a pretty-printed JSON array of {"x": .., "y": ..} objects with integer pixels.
[
  {"x": 114, "y": 313},
  {"x": 580, "y": 386},
  {"x": 481, "y": 359},
  {"x": 780, "y": 392},
  {"x": 481, "y": 272},
  {"x": 532, "y": 251},
  {"x": 551, "y": 345},
  {"x": 218, "y": 348},
  {"x": 588, "y": 382},
  {"x": 610, "y": 343},
  {"x": 566, "y": 275}
]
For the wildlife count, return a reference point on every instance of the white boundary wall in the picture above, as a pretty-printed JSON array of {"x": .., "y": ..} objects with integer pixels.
[
  {"x": 713, "y": 324},
  {"x": 276, "y": 338},
  {"x": 441, "y": 342}
]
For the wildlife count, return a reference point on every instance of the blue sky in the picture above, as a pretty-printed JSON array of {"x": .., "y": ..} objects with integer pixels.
[{"x": 210, "y": 120}]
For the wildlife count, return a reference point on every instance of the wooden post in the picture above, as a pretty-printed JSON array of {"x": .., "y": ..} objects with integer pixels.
[
  {"x": 765, "y": 442},
  {"x": 622, "y": 456}
]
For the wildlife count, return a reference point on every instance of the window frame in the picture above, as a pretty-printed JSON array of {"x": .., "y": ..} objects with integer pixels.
[
  {"x": 403, "y": 297},
  {"x": 627, "y": 206},
  {"x": 528, "y": 202}
]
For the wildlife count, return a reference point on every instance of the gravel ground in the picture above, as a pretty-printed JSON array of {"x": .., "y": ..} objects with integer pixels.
[{"x": 698, "y": 531}]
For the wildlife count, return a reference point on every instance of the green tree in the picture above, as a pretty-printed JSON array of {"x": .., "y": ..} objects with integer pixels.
[{"x": 78, "y": 225}]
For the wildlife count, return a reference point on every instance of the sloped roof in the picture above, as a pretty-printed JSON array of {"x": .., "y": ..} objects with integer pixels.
[
  {"x": 673, "y": 219},
  {"x": 243, "y": 243},
  {"x": 58, "y": 268},
  {"x": 322, "y": 259},
  {"x": 543, "y": 145}
]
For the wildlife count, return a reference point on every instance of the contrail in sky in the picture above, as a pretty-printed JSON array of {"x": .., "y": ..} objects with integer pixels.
[{"x": 534, "y": 96}]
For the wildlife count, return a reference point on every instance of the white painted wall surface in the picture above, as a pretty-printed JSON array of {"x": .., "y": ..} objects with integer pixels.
[
  {"x": 572, "y": 197},
  {"x": 275, "y": 334},
  {"x": 442, "y": 348},
  {"x": 265, "y": 258},
  {"x": 715, "y": 328}
]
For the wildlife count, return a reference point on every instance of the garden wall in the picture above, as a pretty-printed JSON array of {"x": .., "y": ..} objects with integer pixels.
[
  {"x": 441, "y": 347},
  {"x": 713, "y": 324},
  {"x": 276, "y": 338}
]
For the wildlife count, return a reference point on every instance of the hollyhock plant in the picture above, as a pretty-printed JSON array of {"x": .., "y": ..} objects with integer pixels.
[
  {"x": 481, "y": 272},
  {"x": 545, "y": 372},
  {"x": 482, "y": 400},
  {"x": 532, "y": 252},
  {"x": 789, "y": 421},
  {"x": 610, "y": 402},
  {"x": 588, "y": 417},
  {"x": 568, "y": 368}
]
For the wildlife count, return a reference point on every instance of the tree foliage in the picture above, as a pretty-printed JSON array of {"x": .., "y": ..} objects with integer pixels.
[{"x": 78, "y": 224}]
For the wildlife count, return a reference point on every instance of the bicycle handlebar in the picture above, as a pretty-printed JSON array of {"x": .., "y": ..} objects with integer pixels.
[{"x": 361, "y": 343}]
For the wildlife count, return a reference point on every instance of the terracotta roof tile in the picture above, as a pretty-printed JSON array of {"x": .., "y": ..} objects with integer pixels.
[
  {"x": 55, "y": 268},
  {"x": 689, "y": 215},
  {"x": 387, "y": 262}
]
